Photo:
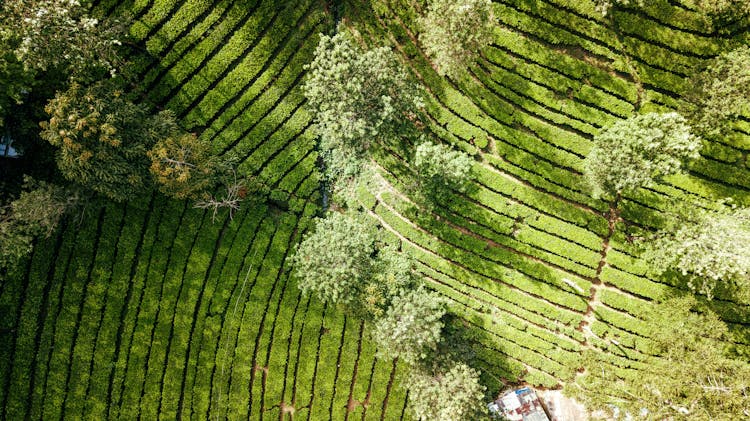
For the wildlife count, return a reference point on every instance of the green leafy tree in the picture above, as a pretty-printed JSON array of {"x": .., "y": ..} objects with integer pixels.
[
  {"x": 411, "y": 327},
  {"x": 693, "y": 378},
  {"x": 102, "y": 138},
  {"x": 60, "y": 34},
  {"x": 711, "y": 248},
  {"x": 721, "y": 92},
  {"x": 335, "y": 261},
  {"x": 393, "y": 273},
  {"x": 638, "y": 151},
  {"x": 183, "y": 166},
  {"x": 441, "y": 166},
  {"x": 453, "y": 31},
  {"x": 449, "y": 395},
  {"x": 357, "y": 97},
  {"x": 36, "y": 212}
]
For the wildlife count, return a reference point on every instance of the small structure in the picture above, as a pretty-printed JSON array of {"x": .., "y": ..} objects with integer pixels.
[
  {"x": 6, "y": 148},
  {"x": 519, "y": 405}
]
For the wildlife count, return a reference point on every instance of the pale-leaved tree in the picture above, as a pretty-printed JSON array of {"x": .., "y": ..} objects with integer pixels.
[
  {"x": 411, "y": 327},
  {"x": 711, "y": 248},
  {"x": 692, "y": 377},
  {"x": 452, "y": 394},
  {"x": 453, "y": 31},
  {"x": 357, "y": 97},
  {"x": 638, "y": 151},
  {"x": 721, "y": 92},
  {"x": 334, "y": 262}
]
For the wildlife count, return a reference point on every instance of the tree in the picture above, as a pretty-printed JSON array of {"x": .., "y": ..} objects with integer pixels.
[
  {"x": 60, "y": 34},
  {"x": 102, "y": 138},
  {"x": 36, "y": 212},
  {"x": 440, "y": 166},
  {"x": 335, "y": 261},
  {"x": 183, "y": 166},
  {"x": 710, "y": 248},
  {"x": 411, "y": 327},
  {"x": 393, "y": 273},
  {"x": 721, "y": 92},
  {"x": 638, "y": 151},
  {"x": 692, "y": 377},
  {"x": 357, "y": 97},
  {"x": 452, "y": 395},
  {"x": 453, "y": 31}
]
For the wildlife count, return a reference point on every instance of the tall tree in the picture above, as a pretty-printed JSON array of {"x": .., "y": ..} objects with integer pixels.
[
  {"x": 453, "y": 31},
  {"x": 721, "y": 92},
  {"x": 692, "y": 378},
  {"x": 357, "y": 97},
  {"x": 35, "y": 213},
  {"x": 638, "y": 151},
  {"x": 439, "y": 166},
  {"x": 411, "y": 327},
  {"x": 61, "y": 35},
  {"x": 102, "y": 138},
  {"x": 183, "y": 165},
  {"x": 454, "y": 394},
  {"x": 334, "y": 262},
  {"x": 711, "y": 248}
]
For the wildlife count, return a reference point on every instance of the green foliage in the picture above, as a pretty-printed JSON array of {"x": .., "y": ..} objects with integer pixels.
[
  {"x": 102, "y": 138},
  {"x": 448, "y": 395},
  {"x": 638, "y": 151},
  {"x": 452, "y": 32},
  {"x": 334, "y": 262},
  {"x": 693, "y": 378},
  {"x": 59, "y": 34},
  {"x": 393, "y": 273},
  {"x": 411, "y": 327},
  {"x": 440, "y": 166},
  {"x": 36, "y": 212},
  {"x": 721, "y": 92},
  {"x": 604, "y": 6},
  {"x": 710, "y": 248},
  {"x": 357, "y": 97},
  {"x": 183, "y": 165}
]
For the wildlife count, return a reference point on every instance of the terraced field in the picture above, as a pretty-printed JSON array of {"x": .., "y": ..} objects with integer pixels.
[
  {"x": 151, "y": 310},
  {"x": 528, "y": 258}
]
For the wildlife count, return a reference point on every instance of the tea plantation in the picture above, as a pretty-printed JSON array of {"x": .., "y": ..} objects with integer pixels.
[{"x": 154, "y": 310}]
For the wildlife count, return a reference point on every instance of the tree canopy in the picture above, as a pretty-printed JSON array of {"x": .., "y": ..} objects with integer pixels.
[
  {"x": 439, "y": 165},
  {"x": 638, "y": 151},
  {"x": 453, "y": 31},
  {"x": 102, "y": 138},
  {"x": 411, "y": 327},
  {"x": 183, "y": 165},
  {"x": 357, "y": 96},
  {"x": 335, "y": 261},
  {"x": 721, "y": 92},
  {"x": 712, "y": 249},
  {"x": 692, "y": 377},
  {"x": 454, "y": 394}
]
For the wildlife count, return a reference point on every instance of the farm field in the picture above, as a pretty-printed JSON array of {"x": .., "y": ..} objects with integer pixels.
[{"x": 154, "y": 310}]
